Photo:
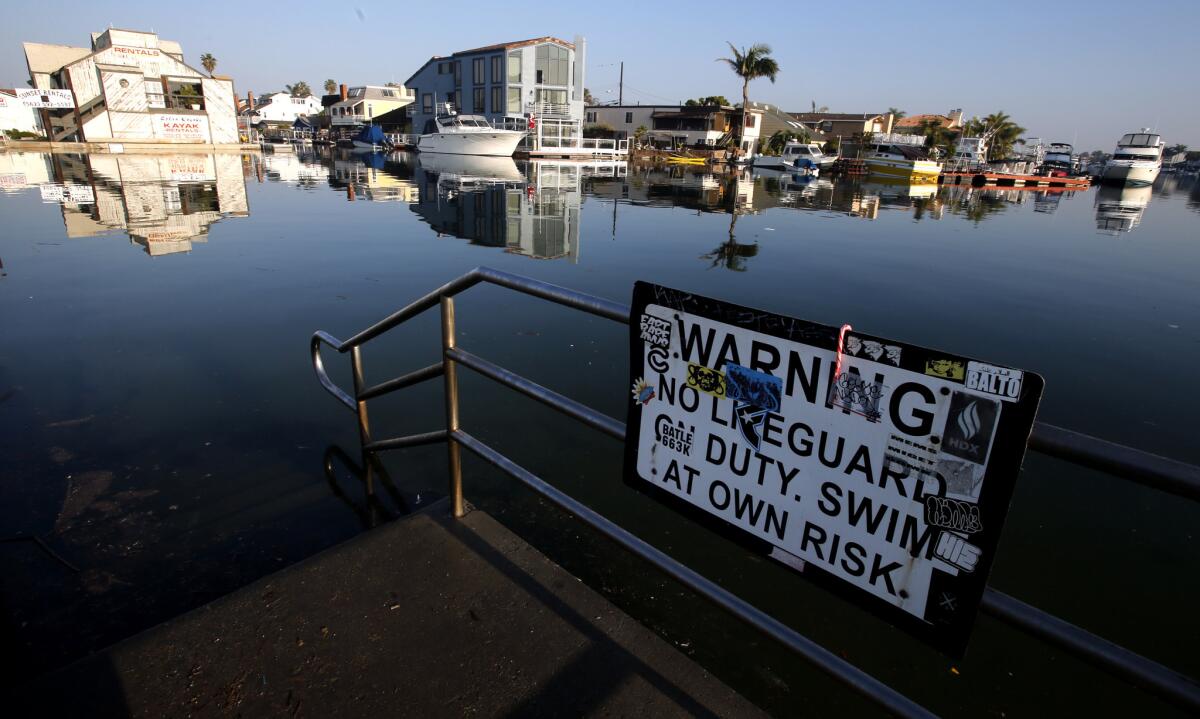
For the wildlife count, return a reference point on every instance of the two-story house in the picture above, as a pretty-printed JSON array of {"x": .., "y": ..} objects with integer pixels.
[
  {"x": 362, "y": 104},
  {"x": 285, "y": 108},
  {"x": 506, "y": 83},
  {"x": 673, "y": 125}
]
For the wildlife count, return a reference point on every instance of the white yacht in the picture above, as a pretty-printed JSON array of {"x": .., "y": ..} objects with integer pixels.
[
  {"x": 1120, "y": 209},
  {"x": 1137, "y": 160},
  {"x": 793, "y": 152},
  {"x": 467, "y": 135}
]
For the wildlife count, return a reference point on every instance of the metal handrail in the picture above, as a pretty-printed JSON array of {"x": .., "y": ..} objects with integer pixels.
[{"x": 1118, "y": 460}]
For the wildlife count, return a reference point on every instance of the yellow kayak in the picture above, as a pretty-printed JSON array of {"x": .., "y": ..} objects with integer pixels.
[{"x": 684, "y": 160}]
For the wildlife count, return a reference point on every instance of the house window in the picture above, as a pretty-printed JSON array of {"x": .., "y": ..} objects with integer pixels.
[
  {"x": 477, "y": 76},
  {"x": 591, "y": 117},
  {"x": 458, "y": 73},
  {"x": 479, "y": 96},
  {"x": 749, "y": 120},
  {"x": 452, "y": 99},
  {"x": 497, "y": 68},
  {"x": 443, "y": 68},
  {"x": 514, "y": 100},
  {"x": 497, "y": 97},
  {"x": 514, "y": 66},
  {"x": 629, "y": 118},
  {"x": 553, "y": 64},
  {"x": 427, "y": 103}
]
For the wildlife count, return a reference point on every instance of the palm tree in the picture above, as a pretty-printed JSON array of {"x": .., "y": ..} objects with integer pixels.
[
  {"x": 208, "y": 62},
  {"x": 897, "y": 113},
  {"x": 300, "y": 89},
  {"x": 938, "y": 136},
  {"x": 750, "y": 65},
  {"x": 1000, "y": 132},
  {"x": 330, "y": 87}
]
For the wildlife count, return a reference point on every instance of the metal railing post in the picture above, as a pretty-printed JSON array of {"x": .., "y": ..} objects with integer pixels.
[
  {"x": 364, "y": 426},
  {"x": 451, "y": 375}
]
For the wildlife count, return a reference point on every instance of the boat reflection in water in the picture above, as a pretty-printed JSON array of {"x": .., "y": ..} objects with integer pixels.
[
  {"x": 1120, "y": 209},
  {"x": 165, "y": 203}
]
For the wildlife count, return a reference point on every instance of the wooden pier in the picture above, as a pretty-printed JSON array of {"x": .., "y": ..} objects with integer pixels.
[
  {"x": 998, "y": 179},
  {"x": 426, "y": 617}
]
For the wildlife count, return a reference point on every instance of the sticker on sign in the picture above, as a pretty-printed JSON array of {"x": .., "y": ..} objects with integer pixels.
[{"x": 884, "y": 475}]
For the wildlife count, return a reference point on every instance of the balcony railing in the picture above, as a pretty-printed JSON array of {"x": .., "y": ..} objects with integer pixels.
[{"x": 549, "y": 109}]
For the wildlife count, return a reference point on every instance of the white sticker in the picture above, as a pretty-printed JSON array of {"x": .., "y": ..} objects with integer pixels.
[{"x": 999, "y": 382}]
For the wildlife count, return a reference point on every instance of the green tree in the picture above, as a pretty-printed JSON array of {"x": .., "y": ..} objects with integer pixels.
[
  {"x": 938, "y": 136},
  {"x": 718, "y": 100},
  {"x": 775, "y": 143},
  {"x": 750, "y": 65},
  {"x": 640, "y": 134},
  {"x": 599, "y": 130},
  {"x": 300, "y": 89},
  {"x": 588, "y": 98},
  {"x": 208, "y": 62},
  {"x": 897, "y": 113},
  {"x": 822, "y": 108},
  {"x": 330, "y": 87},
  {"x": 1000, "y": 132}
]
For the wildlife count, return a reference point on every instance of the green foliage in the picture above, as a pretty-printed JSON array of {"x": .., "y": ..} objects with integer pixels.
[
  {"x": 599, "y": 130},
  {"x": 588, "y": 97},
  {"x": 208, "y": 62},
  {"x": 330, "y": 87},
  {"x": 938, "y": 137},
  {"x": 710, "y": 100},
  {"x": 750, "y": 65},
  {"x": 897, "y": 113},
  {"x": 640, "y": 132},
  {"x": 19, "y": 134},
  {"x": 300, "y": 89},
  {"x": 1000, "y": 132}
]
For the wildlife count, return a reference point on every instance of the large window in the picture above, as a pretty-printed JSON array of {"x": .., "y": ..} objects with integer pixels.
[
  {"x": 479, "y": 99},
  {"x": 514, "y": 66},
  {"x": 553, "y": 65},
  {"x": 497, "y": 68},
  {"x": 514, "y": 100},
  {"x": 497, "y": 98},
  {"x": 427, "y": 103},
  {"x": 629, "y": 118},
  {"x": 458, "y": 73},
  {"x": 552, "y": 96},
  {"x": 477, "y": 76}
]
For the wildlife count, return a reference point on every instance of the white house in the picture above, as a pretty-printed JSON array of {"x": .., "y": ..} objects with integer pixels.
[
  {"x": 282, "y": 107},
  {"x": 14, "y": 115},
  {"x": 694, "y": 125},
  {"x": 131, "y": 86}
]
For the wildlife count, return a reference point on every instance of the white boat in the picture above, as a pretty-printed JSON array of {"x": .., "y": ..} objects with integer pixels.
[
  {"x": 794, "y": 152},
  {"x": 467, "y": 135},
  {"x": 904, "y": 162},
  {"x": 1059, "y": 158},
  {"x": 1120, "y": 209},
  {"x": 465, "y": 170},
  {"x": 1137, "y": 160}
]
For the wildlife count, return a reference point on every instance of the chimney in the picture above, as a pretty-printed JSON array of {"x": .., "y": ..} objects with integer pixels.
[
  {"x": 342, "y": 90},
  {"x": 250, "y": 101}
]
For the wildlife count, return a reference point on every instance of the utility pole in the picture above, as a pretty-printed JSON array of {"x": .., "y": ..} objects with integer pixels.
[{"x": 621, "y": 86}]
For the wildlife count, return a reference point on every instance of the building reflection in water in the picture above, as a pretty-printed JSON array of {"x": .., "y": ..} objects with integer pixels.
[{"x": 165, "y": 203}]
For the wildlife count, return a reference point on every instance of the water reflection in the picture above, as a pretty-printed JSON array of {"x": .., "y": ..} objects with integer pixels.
[
  {"x": 164, "y": 203},
  {"x": 1120, "y": 209}
]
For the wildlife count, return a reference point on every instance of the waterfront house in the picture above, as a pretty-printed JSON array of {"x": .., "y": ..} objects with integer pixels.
[
  {"x": 131, "y": 87},
  {"x": 912, "y": 124},
  {"x": 674, "y": 125},
  {"x": 845, "y": 124},
  {"x": 283, "y": 108},
  {"x": 507, "y": 83},
  {"x": 361, "y": 104},
  {"x": 14, "y": 115}
]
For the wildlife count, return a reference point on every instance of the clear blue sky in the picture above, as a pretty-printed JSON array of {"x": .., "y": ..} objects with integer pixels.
[{"x": 1122, "y": 65}]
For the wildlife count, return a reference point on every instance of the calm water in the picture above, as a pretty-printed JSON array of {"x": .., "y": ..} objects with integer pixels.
[{"x": 161, "y": 430}]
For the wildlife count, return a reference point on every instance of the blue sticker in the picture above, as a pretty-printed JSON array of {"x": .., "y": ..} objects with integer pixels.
[{"x": 750, "y": 387}]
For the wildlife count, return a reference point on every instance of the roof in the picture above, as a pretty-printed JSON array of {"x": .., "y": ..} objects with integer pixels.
[
  {"x": 518, "y": 43},
  {"x": 43, "y": 58},
  {"x": 821, "y": 116},
  {"x": 915, "y": 120}
]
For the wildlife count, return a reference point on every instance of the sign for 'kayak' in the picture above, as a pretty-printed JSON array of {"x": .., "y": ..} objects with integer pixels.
[{"x": 883, "y": 470}]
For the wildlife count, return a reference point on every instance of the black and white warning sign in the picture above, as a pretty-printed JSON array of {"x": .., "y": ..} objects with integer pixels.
[{"x": 881, "y": 469}]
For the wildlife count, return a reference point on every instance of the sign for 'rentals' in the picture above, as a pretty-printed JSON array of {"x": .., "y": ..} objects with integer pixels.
[{"x": 884, "y": 470}]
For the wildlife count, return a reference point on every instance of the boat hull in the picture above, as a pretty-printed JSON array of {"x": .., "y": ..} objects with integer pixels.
[
  {"x": 1130, "y": 173},
  {"x": 496, "y": 143},
  {"x": 914, "y": 171}
]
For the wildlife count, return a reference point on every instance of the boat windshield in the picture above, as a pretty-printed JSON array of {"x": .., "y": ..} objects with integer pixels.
[
  {"x": 1137, "y": 139},
  {"x": 1132, "y": 156}
]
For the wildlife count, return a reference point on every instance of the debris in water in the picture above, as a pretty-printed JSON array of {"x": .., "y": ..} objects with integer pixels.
[
  {"x": 72, "y": 422},
  {"x": 82, "y": 490}
]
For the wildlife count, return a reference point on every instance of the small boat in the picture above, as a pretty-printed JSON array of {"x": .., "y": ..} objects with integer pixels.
[
  {"x": 370, "y": 138},
  {"x": 1137, "y": 160},
  {"x": 905, "y": 162},
  {"x": 467, "y": 135},
  {"x": 1058, "y": 160},
  {"x": 793, "y": 152},
  {"x": 686, "y": 160}
]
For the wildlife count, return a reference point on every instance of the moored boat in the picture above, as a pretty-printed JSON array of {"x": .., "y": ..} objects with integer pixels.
[
  {"x": 1137, "y": 160},
  {"x": 370, "y": 138},
  {"x": 467, "y": 135},
  {"x": 796, "y": 154},
  {"x": 905, "y": 162},
  {"x": 1058, "y": 159}
]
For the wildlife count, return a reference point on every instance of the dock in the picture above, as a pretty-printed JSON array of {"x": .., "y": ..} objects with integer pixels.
[
  {"x": 999, "y": 179},
  {"x": 427, "y": 616}
]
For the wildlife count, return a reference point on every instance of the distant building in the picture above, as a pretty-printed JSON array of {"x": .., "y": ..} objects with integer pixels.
[
  {"x": 14, "y": 115},
  {"x": 912, "y": 123},
  {"x": 360, "y": 105},
  {"x": 695, "y": 125},
  {"x": 284, "y": 108},
  {"x": 131, "y": 86},
  {"x": 844, "y": 124},
  {"x": 505, "y": 83}
]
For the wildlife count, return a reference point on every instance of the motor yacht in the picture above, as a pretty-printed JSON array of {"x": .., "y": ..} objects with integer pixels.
[
  {"x": 1137, "y": 160},
  {"x": 905, "y": 162},
  {"x": 467, "y": 135}
]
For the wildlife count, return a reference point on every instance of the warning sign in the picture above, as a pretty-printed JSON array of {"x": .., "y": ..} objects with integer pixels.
[{"x": 876, "y": 467}]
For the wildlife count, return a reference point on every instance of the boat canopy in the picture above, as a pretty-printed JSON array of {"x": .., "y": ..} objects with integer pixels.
[
  {"x": 463, "y": 121},
  {"x": 1139, "y": 139},
  {"x": 372, "y": 135},
  {"x": 302, "y": 123}
]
